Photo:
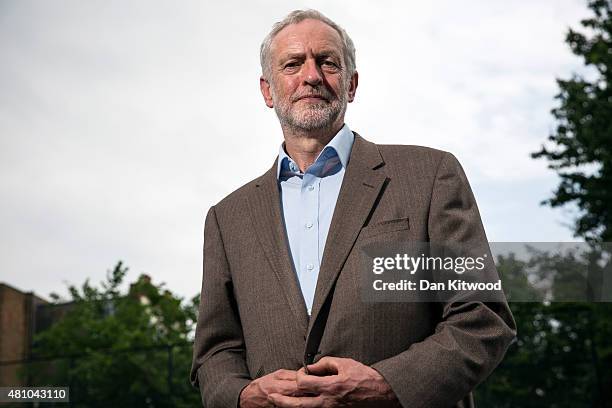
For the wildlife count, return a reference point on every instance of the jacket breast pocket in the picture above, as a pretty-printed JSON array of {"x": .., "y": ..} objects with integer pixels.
[{"x": 398, "y": 224}]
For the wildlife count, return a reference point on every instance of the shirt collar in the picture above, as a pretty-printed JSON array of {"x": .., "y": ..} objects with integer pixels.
[{"x": 340, "y": 146}]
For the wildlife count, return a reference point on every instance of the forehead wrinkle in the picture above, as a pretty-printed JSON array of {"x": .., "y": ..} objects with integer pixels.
[
  {"x": 300, "y": 50},
  {"x": 300, "y": 54}
]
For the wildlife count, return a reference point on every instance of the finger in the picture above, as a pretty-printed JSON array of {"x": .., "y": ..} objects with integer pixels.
[
  {"x": 325, "y": 366},
  {"x": 284, "y": 401},
  {"x": 283, "y": 374},
  {"x": 285, "y": 387},
  {"x": 313, "y": 384}
]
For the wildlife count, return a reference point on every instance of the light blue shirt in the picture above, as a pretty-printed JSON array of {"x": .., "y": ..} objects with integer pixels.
[{"x": 308, "y": 200}]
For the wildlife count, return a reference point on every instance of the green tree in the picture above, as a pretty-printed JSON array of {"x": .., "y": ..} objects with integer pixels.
[
  {"x": 563, "y": 353},
  {"x": 564, "y": 350},
  {"x": 582, "y": 152},
  {"x": 121, "y": 349}
]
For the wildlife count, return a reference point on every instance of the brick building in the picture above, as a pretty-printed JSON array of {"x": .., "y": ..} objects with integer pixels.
[{"x": 22, "y": 316}]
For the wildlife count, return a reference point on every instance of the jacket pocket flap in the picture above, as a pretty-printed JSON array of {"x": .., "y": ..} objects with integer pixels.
[{"x": 397, "y": 224}]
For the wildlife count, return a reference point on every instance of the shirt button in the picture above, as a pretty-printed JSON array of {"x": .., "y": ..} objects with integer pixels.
[
  {"x": 310, "y": 267},
  {"x": 309, "y": 225},
  {"x": 310, "y": 188}
]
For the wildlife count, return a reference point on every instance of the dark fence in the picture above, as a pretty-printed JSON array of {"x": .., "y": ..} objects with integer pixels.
[{"x": 151, "y": 376}]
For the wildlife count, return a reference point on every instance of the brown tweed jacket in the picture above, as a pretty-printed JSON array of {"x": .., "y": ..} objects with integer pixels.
[{"x": 253, "y": 319}]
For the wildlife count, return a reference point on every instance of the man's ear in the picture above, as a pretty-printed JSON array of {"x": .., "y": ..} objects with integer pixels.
[
  {"x": 264, "y": 85},
  {"x": 353, "y": 86}
]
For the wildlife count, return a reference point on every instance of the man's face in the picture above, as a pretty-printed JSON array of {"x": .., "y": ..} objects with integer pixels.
[{"x": 308, "y": 85}]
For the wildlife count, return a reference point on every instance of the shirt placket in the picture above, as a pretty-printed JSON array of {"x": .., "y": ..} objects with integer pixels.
[{"x": 309, "y": 237}]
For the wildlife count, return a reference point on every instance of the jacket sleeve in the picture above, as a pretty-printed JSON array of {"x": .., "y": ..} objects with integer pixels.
[
  {"x": 219, "y": 366},
  {"x": 472, "y": 337}
]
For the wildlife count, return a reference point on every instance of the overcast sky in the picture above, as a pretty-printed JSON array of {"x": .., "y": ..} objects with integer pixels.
[{"x": 122, "y": 122}]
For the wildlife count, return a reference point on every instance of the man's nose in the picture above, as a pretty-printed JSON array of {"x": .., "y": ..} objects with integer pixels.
[{"x": 312, "y": 73}]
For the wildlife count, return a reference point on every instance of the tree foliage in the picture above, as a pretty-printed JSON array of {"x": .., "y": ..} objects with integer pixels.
[
  {"x": 564, "y": 350},
  {"x": 582, "y": 152},
  {"x": 563, "y": 353},
  {"x": 121, "y": 349}
]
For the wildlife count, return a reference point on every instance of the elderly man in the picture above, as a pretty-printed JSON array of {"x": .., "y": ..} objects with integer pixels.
[{"x": 281, "y": 321}]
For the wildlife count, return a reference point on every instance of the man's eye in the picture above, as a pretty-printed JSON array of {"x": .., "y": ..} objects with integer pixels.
[{"x": 329, "y": 64}]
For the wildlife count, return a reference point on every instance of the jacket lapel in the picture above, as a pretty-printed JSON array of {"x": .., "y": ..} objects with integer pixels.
[
  {"x": 269, "y": 226},
  {"x": 361, "y": 186}
]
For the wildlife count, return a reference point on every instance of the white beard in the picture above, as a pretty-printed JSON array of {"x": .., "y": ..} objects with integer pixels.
[{"x": 309, "y": 116}]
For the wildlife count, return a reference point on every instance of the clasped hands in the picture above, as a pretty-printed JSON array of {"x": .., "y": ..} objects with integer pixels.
[{"x": 330, "y": 382}]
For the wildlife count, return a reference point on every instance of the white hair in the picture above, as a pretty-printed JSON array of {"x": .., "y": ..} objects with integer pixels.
[{"x": 296, "y": 16}]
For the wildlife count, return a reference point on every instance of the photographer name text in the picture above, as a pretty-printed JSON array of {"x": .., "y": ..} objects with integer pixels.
[{"x": 425, "y": 285}]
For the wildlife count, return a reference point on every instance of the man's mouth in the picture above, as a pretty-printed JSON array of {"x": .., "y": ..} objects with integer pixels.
[{"x": 311, "y": 98}]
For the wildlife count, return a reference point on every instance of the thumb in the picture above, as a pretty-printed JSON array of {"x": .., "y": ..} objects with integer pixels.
[{"x": 325, "y": 366}]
